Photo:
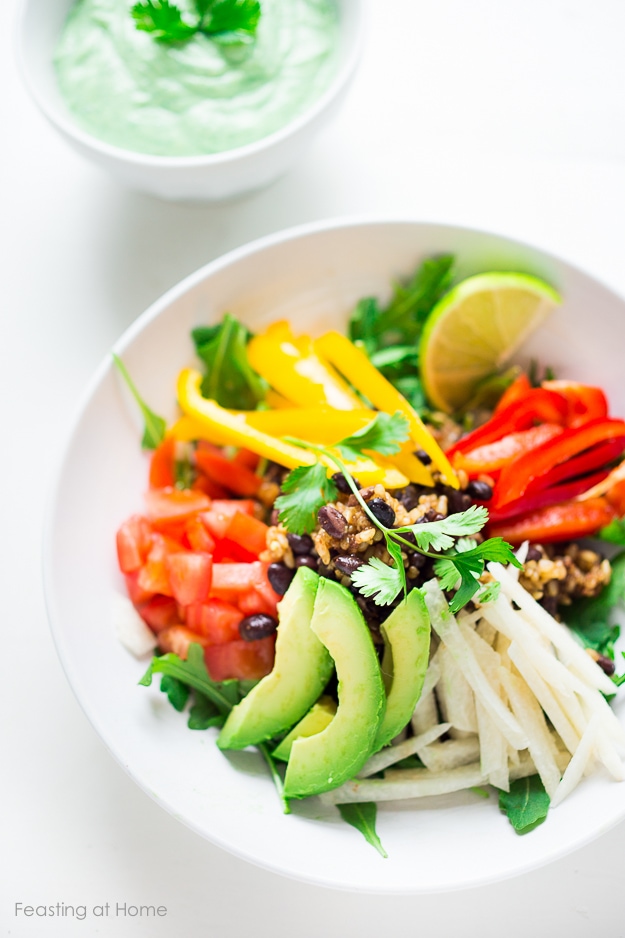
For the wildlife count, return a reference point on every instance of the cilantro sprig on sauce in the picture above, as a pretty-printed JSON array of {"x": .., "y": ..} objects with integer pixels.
[{"x": 229, "y": 22}]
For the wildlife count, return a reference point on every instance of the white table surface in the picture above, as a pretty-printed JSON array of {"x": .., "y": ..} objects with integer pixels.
[{"x": 505, "y": 116}]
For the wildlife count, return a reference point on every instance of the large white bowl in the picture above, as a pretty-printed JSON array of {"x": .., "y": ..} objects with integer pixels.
[
  {"x": 313, "y": 275},
  {"x": 212, "y": 177}
]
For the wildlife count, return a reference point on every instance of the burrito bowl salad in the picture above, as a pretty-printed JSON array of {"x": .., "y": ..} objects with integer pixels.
[{"x": 388, "y": 559}]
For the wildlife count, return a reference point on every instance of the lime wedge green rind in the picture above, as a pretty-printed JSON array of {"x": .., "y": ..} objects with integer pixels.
[{"x": 475, "y": 329}]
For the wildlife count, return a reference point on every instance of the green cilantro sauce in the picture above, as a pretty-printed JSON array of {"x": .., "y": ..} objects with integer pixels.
[{"x": 197, "y": 97}]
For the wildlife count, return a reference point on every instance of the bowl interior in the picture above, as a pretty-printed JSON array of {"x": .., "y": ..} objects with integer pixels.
[
  {"x": 39, "y": 30},
  {"x": 314, "y": 277}
]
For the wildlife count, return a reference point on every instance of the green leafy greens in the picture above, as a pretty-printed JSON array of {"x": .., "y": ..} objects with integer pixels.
[
  {"x": 229, "y": 378},
  {"x": 383, "y": 435},
  {"x": 526, "y": 804},
  {"x": 213, "y": 701},
  {"x": 154, "y": 426},
  {"x": 306, "y": 489},
  {"x": 362, "y": 816},
  {"x": 390, "y": 334},
  {"x": 228, "y": 22}
]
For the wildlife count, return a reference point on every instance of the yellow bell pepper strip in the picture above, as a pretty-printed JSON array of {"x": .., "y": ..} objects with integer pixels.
[
  {"x": 217, "y": 424},
  {"x": 412, "y": 467},
  {"x": 276, "y": 402},
  {"x": 322, "y": 424},
  {"x": 295, "y": 371},
  {"x": 354, "y": 364}
]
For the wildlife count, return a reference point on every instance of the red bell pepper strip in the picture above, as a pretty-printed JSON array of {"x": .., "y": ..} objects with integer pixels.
[
  {"x": 538, "y": 406},
  {"x": 234, "y": 476},
  {"x": 586, "y": 403},
  {"x": 516, "y": 392},
  {"x": 491, "y": 457},
  {"x": 591, "y": 459},
  {"x": 551, "y": 496},
  {"x": 561, "y": 522},
  {"x": 516, "y": 478}
]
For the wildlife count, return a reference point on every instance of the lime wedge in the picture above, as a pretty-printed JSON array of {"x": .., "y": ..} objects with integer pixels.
[{"x": 474, "y": 330}]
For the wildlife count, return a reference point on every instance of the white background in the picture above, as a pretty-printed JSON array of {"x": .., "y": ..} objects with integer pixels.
[{"x": 505, "y": 116}]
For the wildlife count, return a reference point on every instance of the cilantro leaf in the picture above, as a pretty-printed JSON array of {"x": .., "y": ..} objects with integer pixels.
[
  {"x": 379, "y": 580},
  {"x": 231, "y": 20},
  {"x": 155, "y": 426},
  {"x": 362, "y": 816},
  {"x": 526, "y": 804},
  {"x": 383, "y": 435},
  {"x": 163, "y": 19},
  {"x": 490, "y": 592},
  {"x": 230, "y": 380},
  {"x": 307, "y": 489},
  {"x": 439, "y": 535},
  {"x": 468, "y": 566}
]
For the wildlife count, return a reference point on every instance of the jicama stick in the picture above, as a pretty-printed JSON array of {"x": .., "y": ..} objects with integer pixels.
[{"x": 381, "y": 760}]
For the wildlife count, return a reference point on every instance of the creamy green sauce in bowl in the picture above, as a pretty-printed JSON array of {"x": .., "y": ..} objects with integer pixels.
[{"x": 193, "y": 98}]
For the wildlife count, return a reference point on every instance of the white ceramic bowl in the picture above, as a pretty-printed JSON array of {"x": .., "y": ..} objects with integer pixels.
[
  {"x": 314, "y": 276},
  {"x": 213, "y": 177}
]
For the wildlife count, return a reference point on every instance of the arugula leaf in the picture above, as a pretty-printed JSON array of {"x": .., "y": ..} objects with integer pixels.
[
  {"x": 590, "y": 618},
  {"x": 383, "y": 435},
  {"x": 177, "y": 692},
  {"x": 155, "y": 426},
  {"x": 614, "y": 532},
  {"x": 362, "y": 816},
  {"x": 379, "y": 580},
  {"x": 307, "y": 489},
  {"x": 229, "y": 378},
  {"x": 204, "y": 713},
  {"x": 526, "y": 804},
  {"x": 192, "y": 672},
  {"x": 439, "y": 535},
  {"x": 163, "y": 19}
]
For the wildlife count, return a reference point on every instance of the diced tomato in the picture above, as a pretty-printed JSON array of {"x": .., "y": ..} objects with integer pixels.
[
  {"x": 153, "y": 575},
  {"x": 217, "y": 518},
  {"x": 253, "y": 602},
  {"x": 584, "y": 402},
  {"x": 245, "y": 457},
  {"x": 491, "y": 457},
  {"x": 237, "y": 478},
  {"x": 557, "y": 522},
  {"x": 229, "y": 506},
  {"x": 177, "y": 638},
  {"x": 168, "y": 506},
  {"x": 162, "y": 471},
  {"x": 133, "y": 543},
  {"x": 264, "y": 587},
  {"x": 240, "y": 577},
  {"x": 226, "y": 551},
  {"x": 216, "y": 620},
  {"x": 248, "y": 532},
  {"x": 198, "y": 536},
  {"x": 136, "y": 593},
  {"x": 189, "y": 576},
  {"x": 240, "y": 660},
  {"x": 160, "y": 612}
]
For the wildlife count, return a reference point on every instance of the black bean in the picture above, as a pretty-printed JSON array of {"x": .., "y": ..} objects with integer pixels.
[
  {"x": 347, "y": 563},
  {"x": 417, "y": 560},
  {"x": 481, "y": 491},
  {"x": 606, "y": 665},
  {"x": 383, "y": 512},
  {"x": 550, "y": 603},
  {"x": 306, "y": 561},
  {"x": 534, "y": 553},
  {"x": 409, "y": 496},
  {"x": 430, "y": 515},
  {"x": 458, "y": 501},
  {"x": 257, "y": 626},
  {"x": 342, "y": 485},
  {"x": 423, "y": 457},
  {"x": 332, "y": 521},
  {"x": 300, "y": 543},
  {"x": 280, "y": 577}
]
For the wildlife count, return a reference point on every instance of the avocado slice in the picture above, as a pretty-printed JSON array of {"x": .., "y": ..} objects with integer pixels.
[
  {"x": 316, "y": 720},
  {"x": 301, "y": 670},
  {"x": 327, "y": 759},
  {"x": 406, "y": 635}
]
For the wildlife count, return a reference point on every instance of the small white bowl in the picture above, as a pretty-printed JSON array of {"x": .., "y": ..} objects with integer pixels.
[
  {"x": 314, "y": 276},
  {"x": 203, "y": 178}
]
